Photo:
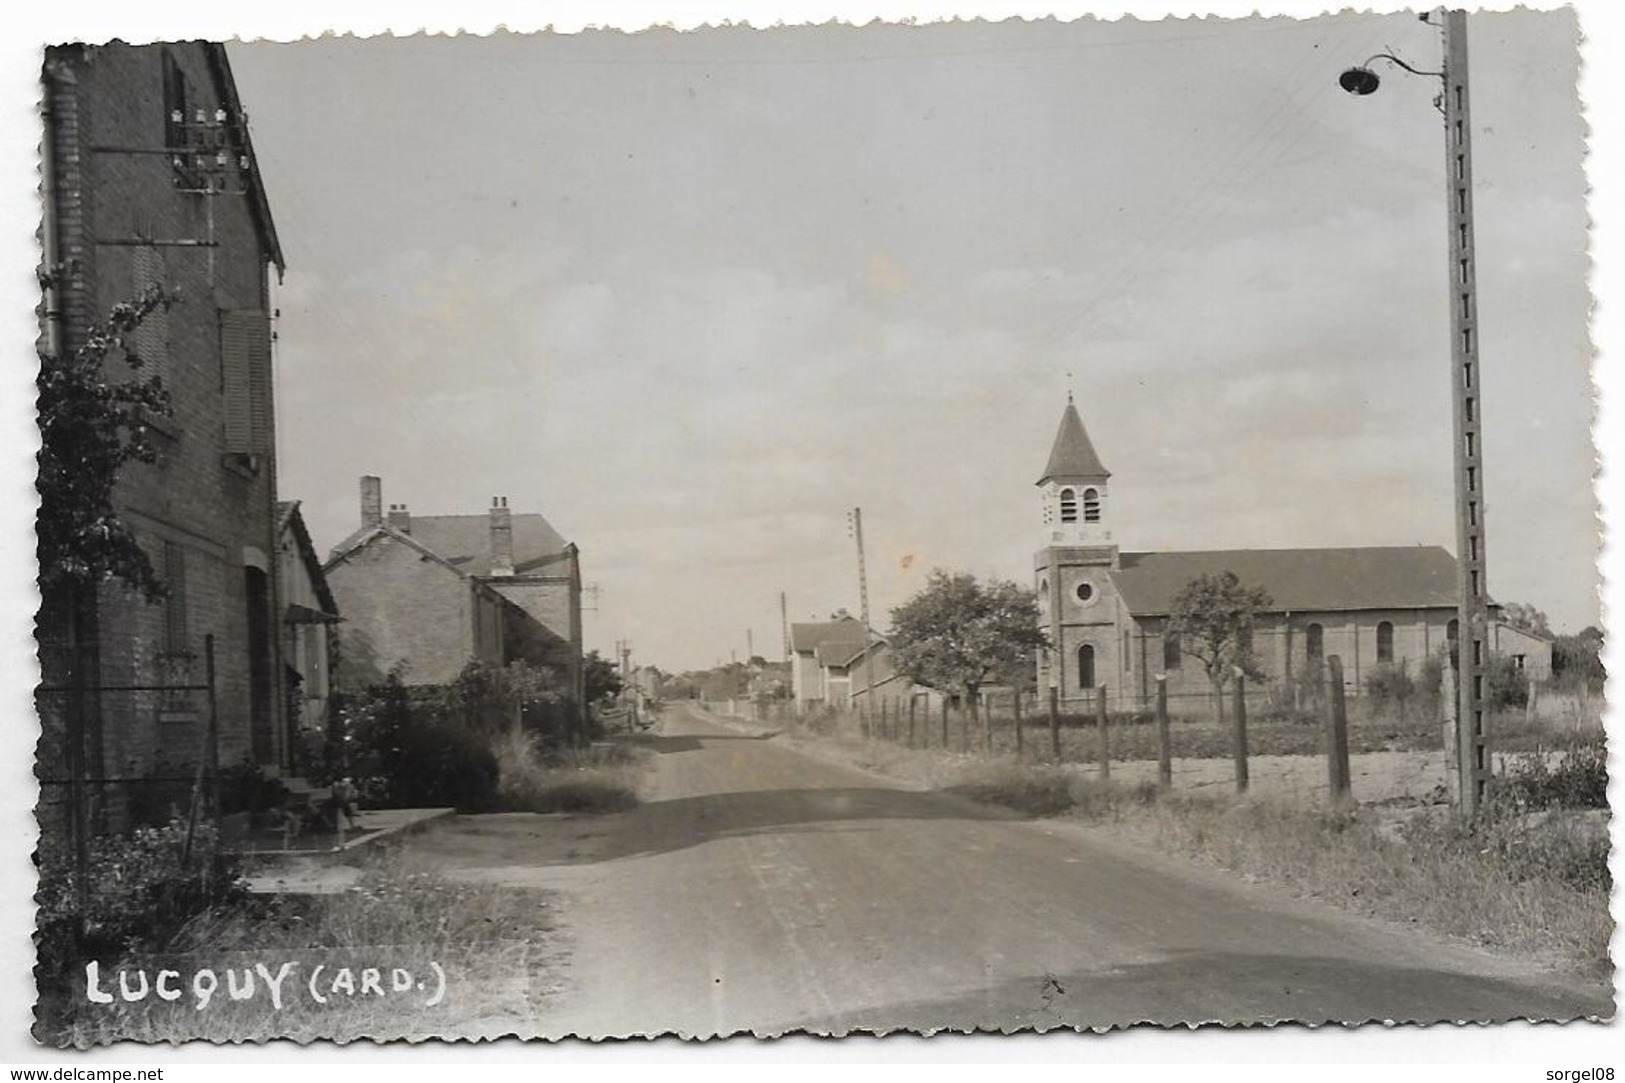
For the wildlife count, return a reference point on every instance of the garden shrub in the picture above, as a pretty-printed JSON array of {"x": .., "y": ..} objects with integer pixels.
[
  {"x": 1390, "y": 685},
  {"x": 137, "y": 894}
]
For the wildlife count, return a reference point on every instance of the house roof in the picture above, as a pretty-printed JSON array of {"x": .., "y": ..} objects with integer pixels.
[
  {"x": 1400, "y": 577},
  {"x": 289, "y": 518},
  {"x": 465, "y": 541},
  {"x": 808, "y": 635},
  {"x": 839, "y": 651},
  {"x": 1072, "y": 455}
]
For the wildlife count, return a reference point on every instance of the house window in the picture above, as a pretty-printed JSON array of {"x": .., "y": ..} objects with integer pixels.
[
  {"x": 1091, "y": 505},
  {"x": 1518, "y": 662},
  {"x": 1086, "y": 666},
  {"x": 1172, "y": 656},
  {"x": 1385, "y": 641},
  {"x": 1069, "y": 506},
  {"x": 1314, "y": 638}
]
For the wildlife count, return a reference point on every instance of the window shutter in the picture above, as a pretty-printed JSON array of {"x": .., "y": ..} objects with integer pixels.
[
  {"x": 234, "y": 365},
  {"x": 150, "y": 340},
  {"x": 245, "y": 359},
  {"x": 259, "y": 383}
]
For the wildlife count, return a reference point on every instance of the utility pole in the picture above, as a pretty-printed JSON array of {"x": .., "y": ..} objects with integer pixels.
[
  {"x": 1472, "y": 613},
  {"x": 1473, "y": 629},
  {"x": 856, "y": 520},
  {"x": 750, "y": 645},
  {"x": 784, "y": 623}
]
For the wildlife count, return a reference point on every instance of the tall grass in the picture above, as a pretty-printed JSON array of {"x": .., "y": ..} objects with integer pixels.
[
  {"x": 494, "y": 945},
  {"x": 1531, "y": 884},
  {"x": 597, "y": 779}
]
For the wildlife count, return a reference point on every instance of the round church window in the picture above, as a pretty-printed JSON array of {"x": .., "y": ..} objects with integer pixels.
[{"x": 1086, "y": 592}]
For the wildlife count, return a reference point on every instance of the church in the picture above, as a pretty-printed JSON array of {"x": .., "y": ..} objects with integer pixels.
[{"x": 1106, "y": 611}]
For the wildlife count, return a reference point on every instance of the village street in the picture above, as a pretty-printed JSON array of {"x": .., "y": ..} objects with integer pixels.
[{"x": 760, "y": 889}]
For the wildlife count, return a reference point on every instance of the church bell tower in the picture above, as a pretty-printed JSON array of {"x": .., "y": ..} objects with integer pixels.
[{"x": 1077, "y": 600}]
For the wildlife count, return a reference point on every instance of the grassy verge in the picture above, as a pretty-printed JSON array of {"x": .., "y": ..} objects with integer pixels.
[
  {"x": 1529, "y": 877},
  {"x": 601, "y": 778},
  {"x": 373, "y": 944}
]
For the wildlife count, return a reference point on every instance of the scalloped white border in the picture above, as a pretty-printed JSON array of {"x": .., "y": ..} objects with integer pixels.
[{"x": 1515, "y": 1051}]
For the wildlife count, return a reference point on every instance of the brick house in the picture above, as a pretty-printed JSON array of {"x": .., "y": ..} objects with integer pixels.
[
  {"x": 149, "y": 179},
  {"x": 430, "y": 593},
  {"x": 1106, "y": 611}
]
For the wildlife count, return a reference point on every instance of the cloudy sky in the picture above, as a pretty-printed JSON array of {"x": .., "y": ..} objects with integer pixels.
[{"x": 694, "y": 296}]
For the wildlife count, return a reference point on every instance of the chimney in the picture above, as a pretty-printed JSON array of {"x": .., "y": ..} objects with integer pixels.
[
  {"x": 372, "y": 501},
  {"x": 501, "y": 537},
  {"x": 400, "y": 519}
]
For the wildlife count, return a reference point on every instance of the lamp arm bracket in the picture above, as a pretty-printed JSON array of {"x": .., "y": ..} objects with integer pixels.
[{"x": 1392, "y": 59}]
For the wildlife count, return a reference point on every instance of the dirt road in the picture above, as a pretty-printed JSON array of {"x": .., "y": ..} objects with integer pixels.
[{"x": 761, "y": 890}]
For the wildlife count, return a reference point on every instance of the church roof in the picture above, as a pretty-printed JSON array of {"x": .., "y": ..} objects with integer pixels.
[
  {"x": 1401, "y": 577},
  {"x": 1073, "y": 456}
]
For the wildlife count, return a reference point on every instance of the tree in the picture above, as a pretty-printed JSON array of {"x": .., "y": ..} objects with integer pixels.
[
  {"x": 1526, "y": 618},
  {"x": 91, "y": 425},
  {"x": 1213, "y": 619},
  {"x": 957, "y": 634},
  {"x": 1577, "y": 660},
  {"x": 601, "y": 677}
]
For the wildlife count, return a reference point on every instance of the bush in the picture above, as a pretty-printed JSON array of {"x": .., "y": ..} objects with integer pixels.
[
  {"x": 1388, "y": 684},
  {"x": 1505, "y": 685},
  {"x": 402, "y": 753},
  {"x": 137, "y": 894},
  {"x": 1579, "y": 780}
]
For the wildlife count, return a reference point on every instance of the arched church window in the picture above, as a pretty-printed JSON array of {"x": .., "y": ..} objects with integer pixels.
[
  {"x": 1128, "y": 652},
  {"x": 1171, "y": 654},
  {"x": 1091, "y": 505},
  {"x": 1315, "y": 644},
  {"x": 1086, "y": 666},
  {"x": 1069, "y": 506},
  {"x": 1385, "y": 641}
]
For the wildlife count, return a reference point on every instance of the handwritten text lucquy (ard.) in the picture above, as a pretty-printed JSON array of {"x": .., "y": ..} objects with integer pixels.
[{"x": 322, "y": 983}]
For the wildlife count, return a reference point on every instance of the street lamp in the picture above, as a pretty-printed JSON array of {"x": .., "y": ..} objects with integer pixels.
[{"x": 1472, "y": 738}]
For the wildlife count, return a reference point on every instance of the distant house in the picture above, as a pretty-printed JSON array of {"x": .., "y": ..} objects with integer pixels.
[
  {"x": 877, "y": 684},
  {"x": 1106, "y": 612},
  {"x": 428, "y": 594},
  {"x": 309, "y": 616},
  {"x": 821, "y": 654},
  {"x": 150, "y": 180}
]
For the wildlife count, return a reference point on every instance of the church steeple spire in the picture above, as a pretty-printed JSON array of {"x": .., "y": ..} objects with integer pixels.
[{"x": 1073, "y": 457}]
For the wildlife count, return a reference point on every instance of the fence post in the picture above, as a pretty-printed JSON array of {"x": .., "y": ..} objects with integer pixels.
[
  {"x": 985, "y": 708},
  {"x": 1055, "y": 723},
  {"x": 1340, "y": 794},
  {"x": 1104, "y": 735},
  {"x": 1240, "y": 732},
  {"x": 912, "y": 701},
  {"x": 1016, "y": 705},
  {"x": 1165, "y": 750},
  {"x": 945, "y": 722}
]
